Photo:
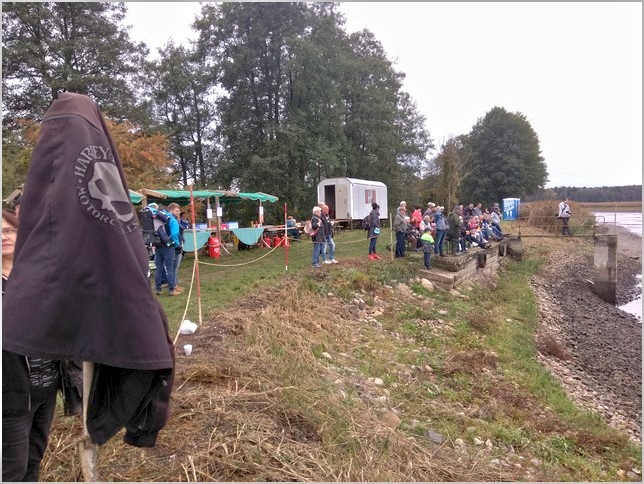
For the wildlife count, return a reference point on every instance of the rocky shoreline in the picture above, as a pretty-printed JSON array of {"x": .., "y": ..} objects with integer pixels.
[{"x": 600, "y": 362}]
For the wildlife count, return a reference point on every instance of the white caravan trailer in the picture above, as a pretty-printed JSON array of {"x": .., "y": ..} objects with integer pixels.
[{"x": 351, "y": 199}]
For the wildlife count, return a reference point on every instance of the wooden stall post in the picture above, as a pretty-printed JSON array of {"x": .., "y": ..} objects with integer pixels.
[
  {"x": 208, "y": 212},
  {"x": 194, "y": 232}
]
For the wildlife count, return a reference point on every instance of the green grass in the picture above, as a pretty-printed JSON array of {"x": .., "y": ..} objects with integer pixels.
[
  {"x": 225, "y": 280},
  {"x": 574, "y": 445}
]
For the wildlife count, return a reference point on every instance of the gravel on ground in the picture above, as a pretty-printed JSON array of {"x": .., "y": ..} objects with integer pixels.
[{"x": 601, "y": 368}]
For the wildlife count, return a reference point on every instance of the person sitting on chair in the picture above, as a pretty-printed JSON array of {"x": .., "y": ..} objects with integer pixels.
[{"x": 292, "y": 231}]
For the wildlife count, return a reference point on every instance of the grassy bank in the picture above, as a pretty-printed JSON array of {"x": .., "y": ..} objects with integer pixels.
[
  {"x": 357, "y": 372},
  {"x": 225, "y": 280}
]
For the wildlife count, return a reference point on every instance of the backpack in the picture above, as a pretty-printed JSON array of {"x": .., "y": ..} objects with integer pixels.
[
  {"x": 365, "y": 223},
  {"x": 309, "y": 230},
  {"x": 155, "y": 227}
]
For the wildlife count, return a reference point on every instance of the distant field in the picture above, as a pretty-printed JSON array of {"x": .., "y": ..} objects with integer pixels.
[{"x": 618, "y": 206}]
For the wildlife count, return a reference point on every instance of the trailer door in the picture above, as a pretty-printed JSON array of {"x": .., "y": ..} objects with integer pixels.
[
  {"x": 341, "y": 205},
  {"x": 329, "y": 199}
]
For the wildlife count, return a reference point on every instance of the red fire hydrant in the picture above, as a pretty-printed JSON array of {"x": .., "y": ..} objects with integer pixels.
[{"x": 214, "y": 247}]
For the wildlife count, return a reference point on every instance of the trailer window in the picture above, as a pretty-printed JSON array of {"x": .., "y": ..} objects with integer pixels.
[{"x": 369, "y": 196}]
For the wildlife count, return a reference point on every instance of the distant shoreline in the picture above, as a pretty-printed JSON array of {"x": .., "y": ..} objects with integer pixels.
[{"x": 612, "y": 206}]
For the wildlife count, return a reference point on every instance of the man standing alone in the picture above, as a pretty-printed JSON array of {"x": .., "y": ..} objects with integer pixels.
[{"x": 564, "y": 215}]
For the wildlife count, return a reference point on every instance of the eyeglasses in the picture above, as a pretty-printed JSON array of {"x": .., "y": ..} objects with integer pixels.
[{"x": 9, "y": 231}]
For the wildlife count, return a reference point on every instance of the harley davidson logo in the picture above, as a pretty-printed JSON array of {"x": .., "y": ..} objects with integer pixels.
[{"x": 100, "y": 190}]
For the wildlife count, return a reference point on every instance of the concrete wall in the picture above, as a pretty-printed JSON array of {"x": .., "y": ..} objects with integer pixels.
[
  {"x": 451, "y": 271},
  {"x": 606, "y": 268}
]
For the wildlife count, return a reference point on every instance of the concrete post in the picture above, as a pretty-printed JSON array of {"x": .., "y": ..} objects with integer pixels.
[{"x": 606, "y": 267}]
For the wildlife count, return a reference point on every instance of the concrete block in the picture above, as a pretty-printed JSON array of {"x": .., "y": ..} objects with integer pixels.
[{"x": 606, "y": 268}]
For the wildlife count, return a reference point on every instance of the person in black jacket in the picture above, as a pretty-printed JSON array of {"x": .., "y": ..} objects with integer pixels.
[
  {"x": 29, "y": 389},
  {"x": 319, "y": 239},
  {"x": 79, "y": 286},
  {"x": 374, "y": 230},
  {"x": 328, "y": 231}
]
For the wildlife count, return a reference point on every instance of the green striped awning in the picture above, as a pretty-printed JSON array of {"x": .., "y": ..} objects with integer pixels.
[
  {"x": 224, "y": 196},
  {"x": 135, "y": 197}
]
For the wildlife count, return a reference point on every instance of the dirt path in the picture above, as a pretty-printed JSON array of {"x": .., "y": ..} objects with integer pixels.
[{"x": 601, "y": 366}]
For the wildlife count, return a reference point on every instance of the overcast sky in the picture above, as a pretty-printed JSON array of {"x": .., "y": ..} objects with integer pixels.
[{"x": 573, "y": 69}]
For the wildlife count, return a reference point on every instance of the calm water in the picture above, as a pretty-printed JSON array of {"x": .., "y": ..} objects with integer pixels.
[
  {"x": 630, "y": 220},
  {"x": 633, "y": 222}
]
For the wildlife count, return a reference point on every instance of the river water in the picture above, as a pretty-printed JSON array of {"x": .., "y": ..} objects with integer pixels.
[{"x": 633, "y": 222}]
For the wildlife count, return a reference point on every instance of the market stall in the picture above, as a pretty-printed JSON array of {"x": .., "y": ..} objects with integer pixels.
[{"x": 220, "y": 197}]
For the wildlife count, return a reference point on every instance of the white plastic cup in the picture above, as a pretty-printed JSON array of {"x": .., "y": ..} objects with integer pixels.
[{"x": 187, "y": 349}]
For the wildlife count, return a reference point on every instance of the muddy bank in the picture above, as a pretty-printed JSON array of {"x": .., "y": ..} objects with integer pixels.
[{"x": 601, "y": 362}]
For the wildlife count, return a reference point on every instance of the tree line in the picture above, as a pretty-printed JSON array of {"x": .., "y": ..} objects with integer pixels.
[
  {"x": 271, "y": 97},
  {"x": 626, "y": 193}
]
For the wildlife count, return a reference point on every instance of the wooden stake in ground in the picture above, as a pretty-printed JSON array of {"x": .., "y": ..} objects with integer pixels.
[
  {"x": 221, "y": 243},
  {"x": 86, "y": 449}
]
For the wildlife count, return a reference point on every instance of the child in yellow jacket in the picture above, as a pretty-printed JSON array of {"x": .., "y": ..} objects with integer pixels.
[{"x": 427, "y": 244}]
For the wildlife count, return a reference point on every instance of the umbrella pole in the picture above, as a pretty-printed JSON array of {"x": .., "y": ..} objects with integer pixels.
[{"x": 86, "y": 449}]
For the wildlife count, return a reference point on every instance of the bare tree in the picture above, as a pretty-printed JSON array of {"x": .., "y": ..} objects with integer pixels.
[{"x": 451, "y": 162}]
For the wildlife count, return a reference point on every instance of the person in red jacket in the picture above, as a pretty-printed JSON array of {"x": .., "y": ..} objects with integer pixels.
[{"x": 416, "y": 217}]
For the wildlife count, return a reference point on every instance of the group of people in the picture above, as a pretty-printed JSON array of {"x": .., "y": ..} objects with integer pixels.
[
  {"x": 323, "y": 243},
  {"x": 463, "y": 228},
  {"x": 429, "y": 231}
]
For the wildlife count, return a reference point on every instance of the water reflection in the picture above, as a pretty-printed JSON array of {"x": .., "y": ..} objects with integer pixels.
[
  {"x": 635, "y": 307},
  {"x": 629, "y": 220}
]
